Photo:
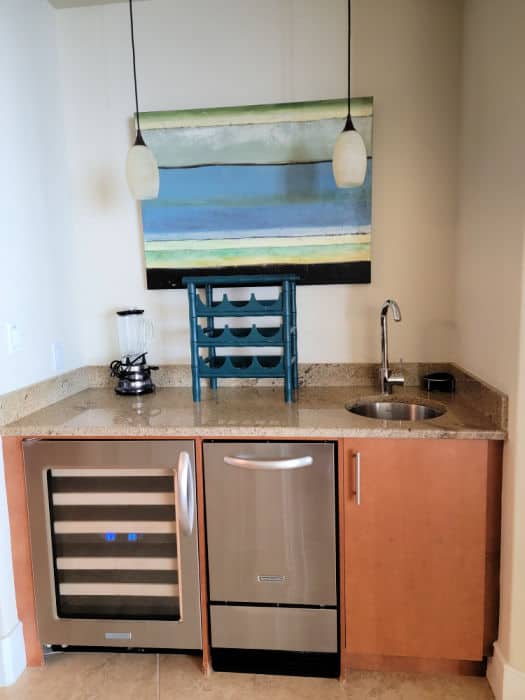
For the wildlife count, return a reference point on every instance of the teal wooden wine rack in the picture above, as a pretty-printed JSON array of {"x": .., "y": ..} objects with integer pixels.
[{"x": 204, "y": 305}]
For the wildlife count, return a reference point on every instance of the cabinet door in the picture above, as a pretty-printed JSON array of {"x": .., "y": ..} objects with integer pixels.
[{"x": 415, "y": 548}]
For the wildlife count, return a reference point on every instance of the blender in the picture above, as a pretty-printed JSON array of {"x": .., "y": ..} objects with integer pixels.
[{"x": 134, "y": 335}]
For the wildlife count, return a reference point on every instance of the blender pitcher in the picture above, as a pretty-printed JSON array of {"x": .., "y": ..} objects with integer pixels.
[{"x": 134, "y": 335}]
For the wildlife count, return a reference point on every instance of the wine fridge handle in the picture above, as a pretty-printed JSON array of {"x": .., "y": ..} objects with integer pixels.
[{"x": 185, "y": 494}]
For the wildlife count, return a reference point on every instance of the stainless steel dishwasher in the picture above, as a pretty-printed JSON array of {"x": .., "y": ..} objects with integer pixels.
[{"x": 272, "y": 557}]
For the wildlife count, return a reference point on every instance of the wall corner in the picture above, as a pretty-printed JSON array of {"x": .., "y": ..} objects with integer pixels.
[
  {"x": 506, "y": 682},
  {"x": 12, "y": 656}
]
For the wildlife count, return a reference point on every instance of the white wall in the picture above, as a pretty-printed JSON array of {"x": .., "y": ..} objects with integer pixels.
[
  {"x": 8, "y": 618},
  {"x": 34, "y": 240},
  {"x": 195, "y": 53},
  {"x": 34, "y": 233},
  {"x": 12, "y": 651},
  {"x": 490, "y": 307}
]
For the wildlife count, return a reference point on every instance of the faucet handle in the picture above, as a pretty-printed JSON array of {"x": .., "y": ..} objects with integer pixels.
[{"x": 398, "y": 378}]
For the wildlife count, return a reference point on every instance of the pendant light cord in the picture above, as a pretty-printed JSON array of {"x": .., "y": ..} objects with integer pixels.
[
  {"x": 349, "y": 126},
  {"x": 139, "y": 141}
]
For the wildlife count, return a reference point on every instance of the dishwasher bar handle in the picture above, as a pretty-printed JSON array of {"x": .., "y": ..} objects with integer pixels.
[{"x": 293, "y": 463}]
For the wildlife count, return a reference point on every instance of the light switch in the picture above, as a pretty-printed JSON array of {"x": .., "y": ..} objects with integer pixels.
[
  {"x": 14, "y": 338},
  {"x": 57, "y": 349}
]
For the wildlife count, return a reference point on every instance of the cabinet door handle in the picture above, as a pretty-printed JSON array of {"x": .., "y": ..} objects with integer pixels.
[{"x": 357, "y": 481}]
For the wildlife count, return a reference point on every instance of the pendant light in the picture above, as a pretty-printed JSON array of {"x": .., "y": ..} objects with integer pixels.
[
  {"x": 349, "y": 155},
  {"x": 141, "y": 167}
]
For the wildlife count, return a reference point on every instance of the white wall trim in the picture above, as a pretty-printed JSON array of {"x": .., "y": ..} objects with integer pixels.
[
  {"x": 507, "y": 682},
  {"x": 12, "y": 656}
]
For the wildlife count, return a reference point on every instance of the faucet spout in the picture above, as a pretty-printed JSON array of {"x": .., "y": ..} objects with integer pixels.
[
  {"x": 388, "y": 380},
  {"x": 391, "y": 304}
]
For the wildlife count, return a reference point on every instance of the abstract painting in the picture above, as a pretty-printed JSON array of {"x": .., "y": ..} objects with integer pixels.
[{"x": 250, "y": 189}]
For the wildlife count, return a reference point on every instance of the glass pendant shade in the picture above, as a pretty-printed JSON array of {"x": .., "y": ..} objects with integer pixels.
[
  {"x": 142, "y": 173},
  {"x": 349, "y": 159},
  {"x": 142, "y": 170},
  {"x": 349, "y": 154}
]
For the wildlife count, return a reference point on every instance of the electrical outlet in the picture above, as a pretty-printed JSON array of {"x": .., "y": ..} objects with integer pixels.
[
  {"x": 14, "y": 338},
  {"x": 57, "y": 350}
]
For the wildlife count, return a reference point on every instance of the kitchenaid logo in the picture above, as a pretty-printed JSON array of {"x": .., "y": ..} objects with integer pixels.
[
  {"x": 118, "y": 635},
  {"x": 271, "y": 579}
]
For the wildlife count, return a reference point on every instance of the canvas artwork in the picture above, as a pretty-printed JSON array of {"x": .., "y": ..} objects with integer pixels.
[{"x": 250, "y": 189}]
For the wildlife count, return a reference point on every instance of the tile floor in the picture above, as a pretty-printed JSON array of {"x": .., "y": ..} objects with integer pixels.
[{"x": 77, "y": 676}]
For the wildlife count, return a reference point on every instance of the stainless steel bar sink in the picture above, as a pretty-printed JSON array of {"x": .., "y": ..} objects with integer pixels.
[{"x": 395, "y": 410}]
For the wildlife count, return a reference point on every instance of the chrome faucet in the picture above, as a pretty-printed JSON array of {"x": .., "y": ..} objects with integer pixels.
[{"x": 388, "y": 380}]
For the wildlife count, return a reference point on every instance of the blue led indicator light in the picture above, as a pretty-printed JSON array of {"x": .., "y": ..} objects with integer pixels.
[
  {"x": 110, "y": 536},
  {"x": 132, "y": 537}
]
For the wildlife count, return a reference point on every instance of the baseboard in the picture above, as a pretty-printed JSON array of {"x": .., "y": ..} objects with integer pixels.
[
  {"x": 12, "y": 656},
  {"x": 507, "y": 682}
]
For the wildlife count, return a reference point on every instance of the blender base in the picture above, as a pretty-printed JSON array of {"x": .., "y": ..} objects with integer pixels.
[{"x": 134, "y": 391}]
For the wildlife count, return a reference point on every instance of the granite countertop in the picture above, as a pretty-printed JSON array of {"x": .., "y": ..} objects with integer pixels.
[{"x": 250, "y": 411}]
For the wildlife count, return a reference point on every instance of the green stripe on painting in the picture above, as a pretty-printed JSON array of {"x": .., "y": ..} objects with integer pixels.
[
  {"x": 256, "y": 114},
  {"x": 255, "y": 144},
  {"x": 263, "y": 255},
  {"x": 199, "y": 244}
]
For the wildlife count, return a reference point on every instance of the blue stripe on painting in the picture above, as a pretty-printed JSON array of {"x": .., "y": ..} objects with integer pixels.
[{"x": 244, "y": 200}]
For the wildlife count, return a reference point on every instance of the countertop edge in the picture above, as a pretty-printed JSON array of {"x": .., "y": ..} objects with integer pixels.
[{"x": 240, "y": 432}]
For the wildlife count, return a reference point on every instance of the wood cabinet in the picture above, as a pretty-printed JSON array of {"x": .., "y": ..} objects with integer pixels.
[{"x": 420, "y": 549}]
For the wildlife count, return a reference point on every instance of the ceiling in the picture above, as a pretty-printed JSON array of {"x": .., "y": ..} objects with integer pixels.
[{"x": 60, "y": 4}]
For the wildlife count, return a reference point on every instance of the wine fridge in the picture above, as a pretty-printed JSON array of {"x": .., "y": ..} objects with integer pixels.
[{"x": 114, "y": 543}]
